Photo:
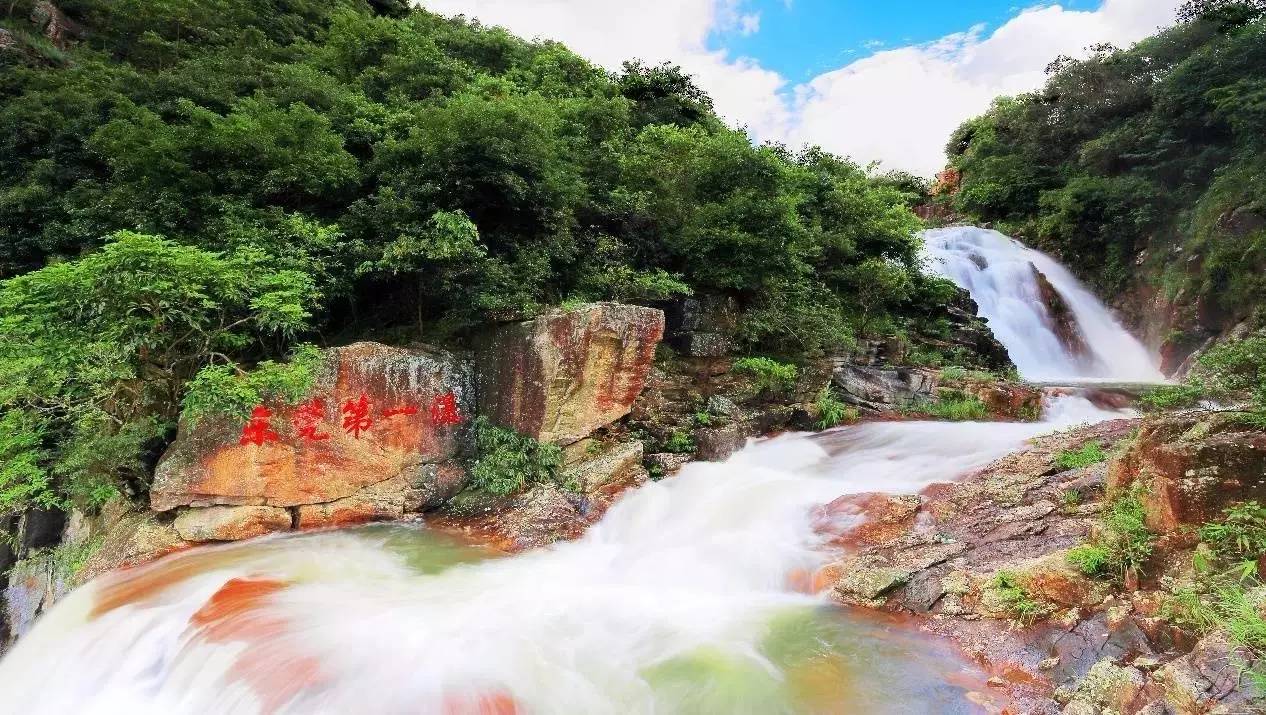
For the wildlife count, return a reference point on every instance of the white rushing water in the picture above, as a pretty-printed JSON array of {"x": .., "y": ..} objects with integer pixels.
[
  {"x": 681, "y": 600},
  {"x": 694, "y": 594},
  {"x": 998, "y": 272}
]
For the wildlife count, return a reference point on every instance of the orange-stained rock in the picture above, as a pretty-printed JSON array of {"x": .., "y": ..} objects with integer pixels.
[
  {"x": 1191, "y": 467},
  {"x": 867, "y": 518},
  {"x": 565, "y": 374},
  {"x": 374, "y": 413},
  {"x": 230, "y": 523}
]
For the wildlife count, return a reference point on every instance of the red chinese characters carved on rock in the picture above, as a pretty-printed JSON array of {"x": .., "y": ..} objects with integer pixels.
[
  {"x": 258, "y": 430},
  {"x": 406, "y": 410},
  {"x": 307, "y": 420},
  {"x": 356, "y": 417},
  {"x": 444, "y": 410}
]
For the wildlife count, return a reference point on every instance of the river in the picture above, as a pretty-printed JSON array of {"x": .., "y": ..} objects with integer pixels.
[{"x": 684, "y": 598}]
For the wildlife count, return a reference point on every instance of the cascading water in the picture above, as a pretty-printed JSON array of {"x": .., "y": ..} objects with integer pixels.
[
  {"x": 999, "y": 272},
  {"x": 691, "y": 594},
  {"x": 681, "y": 600}
]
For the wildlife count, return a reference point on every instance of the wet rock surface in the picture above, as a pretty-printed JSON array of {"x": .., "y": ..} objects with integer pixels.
[{"x": 1091, "y": 647}]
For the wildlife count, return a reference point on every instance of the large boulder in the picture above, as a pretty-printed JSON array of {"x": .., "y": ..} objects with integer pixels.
[
  {"x": 882, "y": 389},
  {"x": 375, "y": 415},
  {"x": 561, "y": 376},
  {"x": 1191, "y": 467}
]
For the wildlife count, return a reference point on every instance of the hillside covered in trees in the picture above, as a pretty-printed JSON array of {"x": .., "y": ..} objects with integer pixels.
[
  {"x": 1144, "y": 169},
  {"x": 192, "y": 191}
]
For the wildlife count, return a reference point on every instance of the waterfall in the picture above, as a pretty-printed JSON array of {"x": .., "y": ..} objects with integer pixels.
[{"x": 1005, "y": 278}]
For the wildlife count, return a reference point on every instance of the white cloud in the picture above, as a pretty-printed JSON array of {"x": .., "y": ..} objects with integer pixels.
[{"x": 898, "y": 106}]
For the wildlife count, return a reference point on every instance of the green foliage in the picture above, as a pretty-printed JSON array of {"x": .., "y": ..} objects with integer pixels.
[
  {"x": 679, "y": 442},
  {"x": 1171, "y": 397},
  {"x": 1227, "y": 593},
  {"x": 24, "y": 481},
  {"x": 1092, "y": 560},
  {"x": 1240, "y": 533},
  {"x": 1016, "y": 600},
  {"x": 1124, "y": 544},
  {"x": 832, "y": 411},
  {"x": 507, "y": 462},
  {"x": 703, "y": 418},
  {"x": 768, "y": 375},
  {"x": 1070, "y": 498},
  {"x": 230, "y": 390},
  {"x": 1089, "y": 453},
  {"x": 955, "y": 373},
  {"x": 100, "y": 348},
  {"x": 955, "y": 405}
]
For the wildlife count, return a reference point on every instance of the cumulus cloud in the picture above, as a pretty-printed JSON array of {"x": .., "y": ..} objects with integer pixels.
[
  {"x": 896, "y": 106},
  {"x": 900, "y": 106}
]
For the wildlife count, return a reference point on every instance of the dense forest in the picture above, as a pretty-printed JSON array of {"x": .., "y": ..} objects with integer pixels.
[
  {"x": 194, "y": 192},
  {"x": 1143, "y": 168}
]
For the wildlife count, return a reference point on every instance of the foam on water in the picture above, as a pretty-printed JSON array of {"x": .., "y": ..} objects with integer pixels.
[
  {"x": 998, "y": 272},
  {"x": 677, "y": 601}
]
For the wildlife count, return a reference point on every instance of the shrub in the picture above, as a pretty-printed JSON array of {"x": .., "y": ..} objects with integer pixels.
[
  {"x": 230, "y": 390},
  {"x": 1089, "y": 453},
  {"x": 1227, "y": 593},
  {"x": 506, "y": 461},
  {"x": 768, "y": 375},
  {"x": 1242, "y": 531},
  {"x": 1091, "y": 559},
  {"x": 1171, "y": 397},
  {"x": 832, "y": 410}
]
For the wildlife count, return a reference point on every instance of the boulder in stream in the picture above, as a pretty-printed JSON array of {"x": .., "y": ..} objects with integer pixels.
[
  {"x": 377, "y": 418},
  {"x": 565, "y": 374}
]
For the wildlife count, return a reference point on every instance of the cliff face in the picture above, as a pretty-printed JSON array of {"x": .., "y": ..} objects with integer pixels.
[{"x": 1184, "y": 296}]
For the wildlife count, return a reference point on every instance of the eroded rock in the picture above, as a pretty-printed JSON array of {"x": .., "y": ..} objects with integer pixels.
[
  {"x": 1191, "y": 467},
  {"x": 230, "y": 523},
  {"x": 566, "y": 373}
]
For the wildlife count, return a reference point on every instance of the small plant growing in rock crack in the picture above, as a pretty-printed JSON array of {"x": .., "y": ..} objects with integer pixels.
[
  {"x": 832, "y": 410},
  {"x": 768, "y": 375},
  {"x": 1123, "y": 546},
  {"x": 1022, "y": 606},
  {"x": 703, "y": 418},
  {"x": 506, "y": 462},
  {"x": 1070, "y": 498},
  {"x": 679, "y": 442},
  {"x": 1090, "y": 453}
]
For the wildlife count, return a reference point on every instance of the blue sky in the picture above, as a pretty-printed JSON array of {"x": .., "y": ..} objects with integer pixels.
[
  {"x": 804, "y": 38},
  {"x": 876, "y": 80}
]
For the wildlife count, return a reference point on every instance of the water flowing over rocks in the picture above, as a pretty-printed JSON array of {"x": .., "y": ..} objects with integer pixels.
[
  {"x": 1060, "y": 318},
  {"x": 561, "y": 376}
]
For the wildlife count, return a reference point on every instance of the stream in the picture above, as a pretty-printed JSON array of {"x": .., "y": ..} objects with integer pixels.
[{"x": 682, "y": 599}]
